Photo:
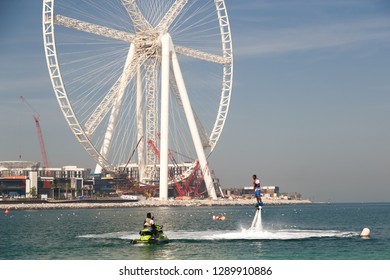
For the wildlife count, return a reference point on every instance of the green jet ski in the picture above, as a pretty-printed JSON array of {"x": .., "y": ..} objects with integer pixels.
[{"x": 154, "y": 235}]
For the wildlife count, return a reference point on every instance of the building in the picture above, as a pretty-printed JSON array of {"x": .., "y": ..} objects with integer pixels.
[
  {"x": 271, "y": 191},
  {"x": 266, "y": 191},
  {"x": 28, "y": 179}
]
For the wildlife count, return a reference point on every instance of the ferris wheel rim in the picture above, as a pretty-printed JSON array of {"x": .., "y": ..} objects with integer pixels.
[
  {"x": 227, "y": 80},
  {"x": 59, "y": 88}
]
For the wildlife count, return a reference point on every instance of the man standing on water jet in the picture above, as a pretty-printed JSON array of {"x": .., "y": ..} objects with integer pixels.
[
  {"x": 256, "y": 188},
  {"x": 256, "y": 224}
]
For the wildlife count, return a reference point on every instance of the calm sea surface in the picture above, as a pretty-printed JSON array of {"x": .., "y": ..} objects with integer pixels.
[{"x": 301, "y": 232}]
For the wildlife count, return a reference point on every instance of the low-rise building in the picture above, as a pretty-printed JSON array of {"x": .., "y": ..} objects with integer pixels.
[
  {"x": 28, "y": 179},
  {"x": 268, "y": 191},
  {"x": 271, "y": 191}
]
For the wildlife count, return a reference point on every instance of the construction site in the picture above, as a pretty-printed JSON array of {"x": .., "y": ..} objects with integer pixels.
[
  {"x": 27, "y": 179},
  {"x": 36, "y": 180}
]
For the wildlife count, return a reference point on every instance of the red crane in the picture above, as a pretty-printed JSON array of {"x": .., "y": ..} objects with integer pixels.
[
  {"x": 194, "y": 181},
  {"x": 40, "y": 137}
]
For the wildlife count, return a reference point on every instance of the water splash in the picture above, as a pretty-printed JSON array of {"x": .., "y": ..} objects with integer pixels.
[{"x": 257, "y": 223}]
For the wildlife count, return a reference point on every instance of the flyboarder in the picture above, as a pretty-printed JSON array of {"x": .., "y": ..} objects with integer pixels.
[{"x": 256, "y": 188}]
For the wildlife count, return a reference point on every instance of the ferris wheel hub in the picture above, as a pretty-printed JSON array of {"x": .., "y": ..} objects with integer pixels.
[{"x": 147, "y": 41}]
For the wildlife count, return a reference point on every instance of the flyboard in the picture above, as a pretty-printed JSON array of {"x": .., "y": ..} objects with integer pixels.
[{"x": 256, "y": 224}]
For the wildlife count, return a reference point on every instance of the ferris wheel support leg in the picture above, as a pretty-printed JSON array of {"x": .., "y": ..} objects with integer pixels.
[
  {"x": 140, "y": 128},
  {"x": 192, "y": 125},
  {"x": 117, "y": 106},
  {"x": 165, "y": 66}
]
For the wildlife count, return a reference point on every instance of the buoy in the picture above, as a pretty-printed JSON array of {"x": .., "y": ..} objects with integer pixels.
[
  {"x": 6, "y": 212},
  {"x": 365, "y": 233}
]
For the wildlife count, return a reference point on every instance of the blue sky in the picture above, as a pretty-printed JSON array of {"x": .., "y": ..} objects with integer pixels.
[{"x": 310, "y": 109}]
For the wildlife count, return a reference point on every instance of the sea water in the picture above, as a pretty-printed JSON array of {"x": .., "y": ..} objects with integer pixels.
[{"x": 314, "y": 231}]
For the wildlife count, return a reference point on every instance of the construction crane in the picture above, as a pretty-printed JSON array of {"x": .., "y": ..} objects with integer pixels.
[{"x": 36, "y": 117}]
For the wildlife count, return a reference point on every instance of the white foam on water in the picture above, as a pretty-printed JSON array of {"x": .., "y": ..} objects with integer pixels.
[
  {"x": 112, "y": 235},
  {"x": 254, "y": 234},
  {"x": 243, "y": 234}
]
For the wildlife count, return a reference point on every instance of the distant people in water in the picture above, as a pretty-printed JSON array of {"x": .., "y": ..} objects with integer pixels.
[
  {"x": 219, "y": 218},
  {"x": 256, "y": 188}
]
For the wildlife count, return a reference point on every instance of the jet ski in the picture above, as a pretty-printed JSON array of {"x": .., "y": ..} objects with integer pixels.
[{"x": 150, "y": 235}]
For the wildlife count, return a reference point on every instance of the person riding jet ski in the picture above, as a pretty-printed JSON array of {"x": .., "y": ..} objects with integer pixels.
[{"x": 151, "y": 232}]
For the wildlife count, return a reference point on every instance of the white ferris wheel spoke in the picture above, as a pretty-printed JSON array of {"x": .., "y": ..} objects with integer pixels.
[
  {"x": 141, "y": 23},
  {"x": 219, "y": 59},
  {"x": 93, "y": 28},
  {"x": 129, "y": 37},
  {"x": 171, "y": 15},
  {"x": 136, "y": 16}
]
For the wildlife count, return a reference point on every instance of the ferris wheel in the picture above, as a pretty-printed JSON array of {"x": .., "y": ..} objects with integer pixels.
[{"x": 143, "y": 85}]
